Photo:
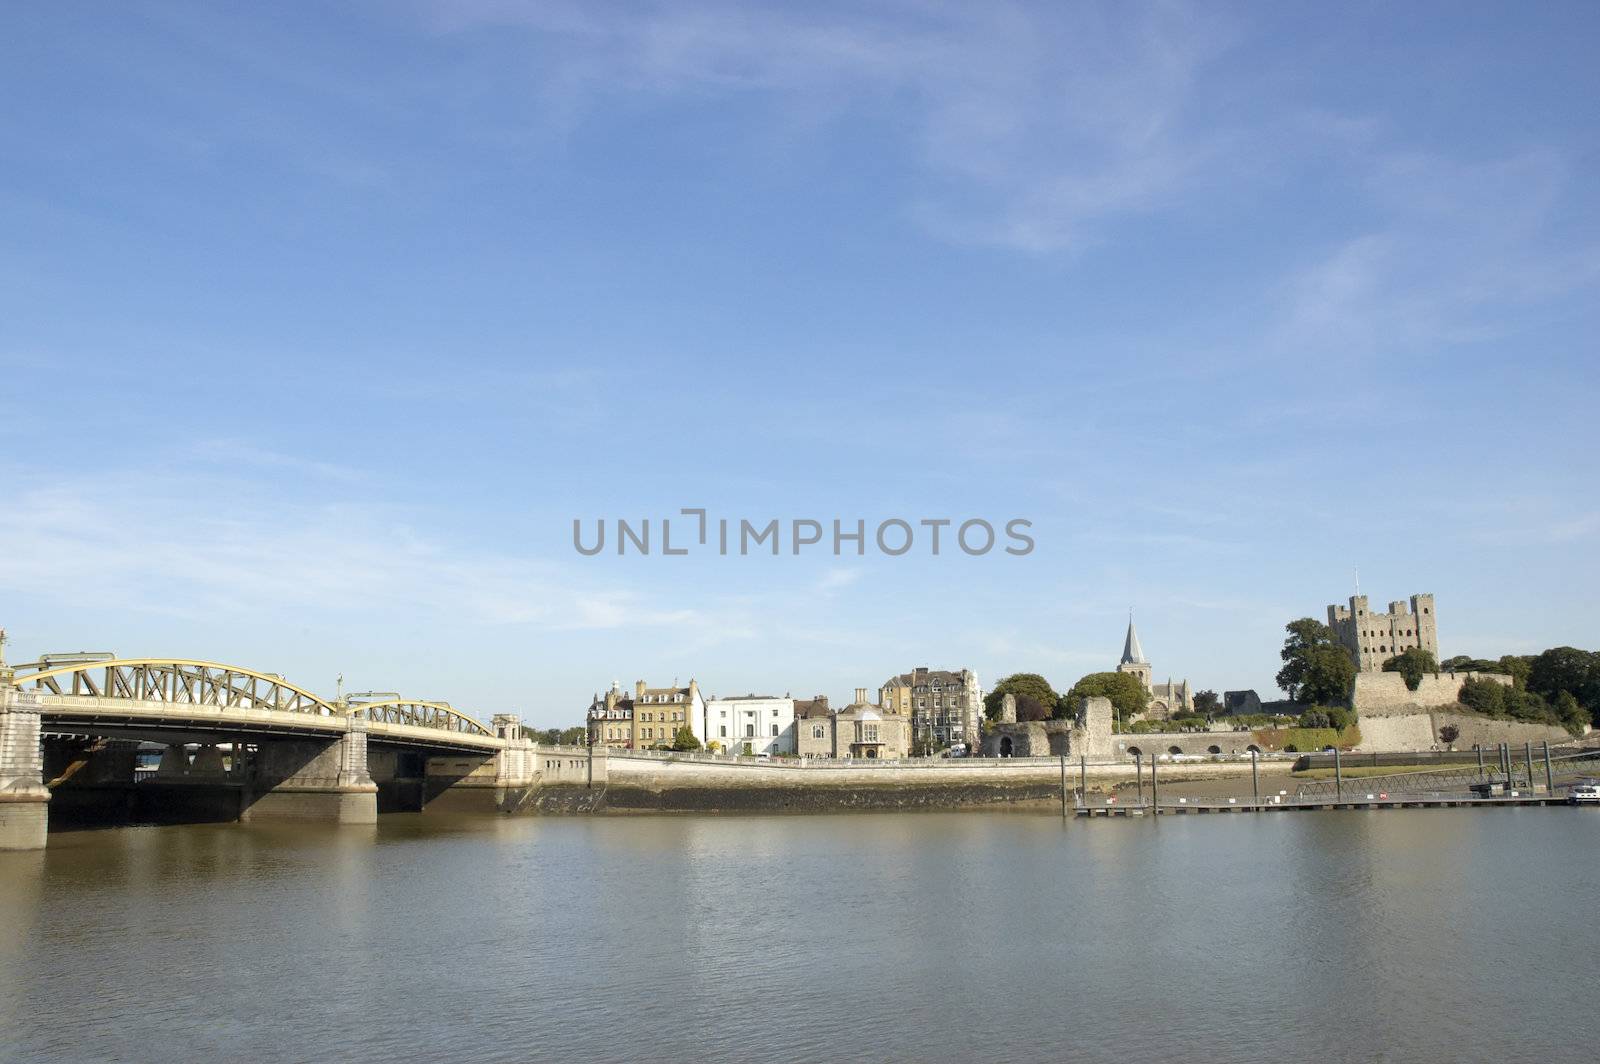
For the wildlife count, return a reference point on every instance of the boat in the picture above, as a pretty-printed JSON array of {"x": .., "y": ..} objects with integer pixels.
[{"x": 1585, "y": 792}]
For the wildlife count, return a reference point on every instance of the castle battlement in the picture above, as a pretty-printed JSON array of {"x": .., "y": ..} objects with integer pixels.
[{"x": 1373, "y": 638}]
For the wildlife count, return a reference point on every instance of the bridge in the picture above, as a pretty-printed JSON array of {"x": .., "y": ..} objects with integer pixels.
[{"x": 264, "y": 748}]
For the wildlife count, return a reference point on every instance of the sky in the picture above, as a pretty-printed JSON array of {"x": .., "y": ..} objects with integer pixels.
[{"x": 321, "y": 324}]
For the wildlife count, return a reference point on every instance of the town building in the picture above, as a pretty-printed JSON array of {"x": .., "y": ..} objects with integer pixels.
[
  {"x": 863, "y": 729},
  {"x": 748, "y": 724},
  {"x": 650, "y": 718},
  {"x": 1166, "y": 699},
  {"x": 945, "y": 707},
  {"x": 1374, "y": 638}
]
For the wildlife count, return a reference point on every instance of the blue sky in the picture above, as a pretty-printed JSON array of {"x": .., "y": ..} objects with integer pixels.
[{"x": 320, "y": 324}]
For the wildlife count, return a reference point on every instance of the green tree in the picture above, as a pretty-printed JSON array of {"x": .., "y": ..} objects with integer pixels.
[
  {"x": 1571, "y": 713},
  {"x": 1207, "y": 704},
  {"x": 1036, "y": 699},
  {"x": 1566, "y": 669},
  {"x": 1449, "y": 733},
  {"x": 1516, "y": 666},
  {"x": 1127, "y": 694},
  {"x": 1316, "y": 667},
  {"x": 1484, "y": 696},
  {"x": 684, "y": 739},
  {"x": 575, "y": 736},
  {"x": 1413, "y": 665}
]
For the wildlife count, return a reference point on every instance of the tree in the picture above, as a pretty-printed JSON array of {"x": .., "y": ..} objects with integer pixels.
[
  {"x": 1449, "y": 734},
  {"x": 1516, "y": 666},
  {"x": 1036, "y": 699},
  {"x": 1571, "y": 713},
  {"x": 1207, "y": 704},
  {"x": 1566, "y": 669},
  {"x": 1485, "y": 696},
  {"x": 1413, "y": 665},
  {"x": 685, "y": 739},
  {"x": 1127, "y": 694},
  {"x": 1316, "y": 667},
  {"x": 575, "y": 736}
]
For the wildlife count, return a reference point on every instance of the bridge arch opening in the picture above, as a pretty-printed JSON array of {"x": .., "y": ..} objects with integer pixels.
[
  {"x": 1134, "y": 751},
  {"x": 1174, "y": 749},
  {"x": 1213, "y": 749},
  {"x": 1252, "y": 749},
  {"x": 1006, "y": 746}
]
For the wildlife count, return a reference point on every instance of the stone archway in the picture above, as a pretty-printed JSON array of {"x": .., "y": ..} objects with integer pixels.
[
  {"x": 1174, "y": 749},
  {"x": 1213, "y": 750},
  {"x": 1134, "y": 751},
  {"x": 1006, "y": 746}
]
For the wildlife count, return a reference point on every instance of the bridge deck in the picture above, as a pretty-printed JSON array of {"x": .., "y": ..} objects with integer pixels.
[{"x": 87, "y": 714}]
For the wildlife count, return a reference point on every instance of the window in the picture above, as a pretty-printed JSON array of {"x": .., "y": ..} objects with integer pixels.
[
  {"x": 724, "y": 731},
  {"x": 774, "y": 731},
  {"x": 818, "y": 732},
  {"x": 870, "y": 733},
  {"x": 749, "y": 731}
]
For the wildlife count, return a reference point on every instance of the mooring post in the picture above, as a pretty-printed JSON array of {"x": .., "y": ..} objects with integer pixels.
[
  {"x": 1063, "y": 784},
  {"x": 1338, "y": 777},
  {"x": 1255, "y": 776},
  {"x": 1155, "y": 788},
  {"x": 1083, "y": 779},
  {"x": 1505, "y": 762},
  {"x": 1549, "y": 774},
  {"x": 1138, "y": 776},
  {"x": 1479, "y": 747}
]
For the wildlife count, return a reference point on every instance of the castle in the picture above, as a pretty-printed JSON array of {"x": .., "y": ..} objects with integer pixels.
[
  {"x": 1374, "y": 638},
  {"x": 1166, "y": 699}
]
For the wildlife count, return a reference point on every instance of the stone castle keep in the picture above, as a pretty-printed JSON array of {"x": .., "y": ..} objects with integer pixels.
[{"x": 1374, "y": 638}]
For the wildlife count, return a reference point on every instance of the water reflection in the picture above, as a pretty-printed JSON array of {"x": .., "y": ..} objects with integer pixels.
[{"x": 1402, "y": 935}]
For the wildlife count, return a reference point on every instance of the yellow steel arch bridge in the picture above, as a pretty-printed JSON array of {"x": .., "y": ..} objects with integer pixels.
[{"x": 145, "y": 694}]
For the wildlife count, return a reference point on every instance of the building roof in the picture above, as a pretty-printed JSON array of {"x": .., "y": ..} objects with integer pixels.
[
  {"x": 811, "y": 707},
  {"x": 953, "y": 677},
  {"x": 1132, "y": 652}
]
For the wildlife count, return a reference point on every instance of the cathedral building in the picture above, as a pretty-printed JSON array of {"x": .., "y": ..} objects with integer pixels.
[{"x": 1166, "y": 699}]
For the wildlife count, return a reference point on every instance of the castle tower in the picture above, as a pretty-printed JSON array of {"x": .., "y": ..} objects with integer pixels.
[{"x": 1133, "y": 659}]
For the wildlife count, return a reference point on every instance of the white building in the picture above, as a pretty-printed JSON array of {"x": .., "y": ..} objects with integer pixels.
[{"x": 749, "y": 724}]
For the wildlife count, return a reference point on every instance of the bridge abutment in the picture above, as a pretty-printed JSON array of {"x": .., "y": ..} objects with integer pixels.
[
  {"x": 314, "y": 779},
  {"x": 24, "y": 798}
]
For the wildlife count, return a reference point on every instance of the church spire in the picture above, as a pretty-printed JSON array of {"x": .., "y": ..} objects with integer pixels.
[{"x": 1132, "y": 652}]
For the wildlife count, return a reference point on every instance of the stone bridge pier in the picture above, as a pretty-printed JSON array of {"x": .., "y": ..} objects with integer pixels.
[
  {"x": 24, "y": 798},
  {"x": 472, "y": 783},
  {"x": 313, "y": 779}
]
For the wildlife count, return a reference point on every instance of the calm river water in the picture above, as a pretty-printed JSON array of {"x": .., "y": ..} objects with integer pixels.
[{"x": 1429, "y": 935}]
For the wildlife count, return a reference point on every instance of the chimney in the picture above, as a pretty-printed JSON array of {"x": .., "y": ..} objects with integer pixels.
[
  {"x": 861, "y": 696},
  {"x": 638, "y": 690}
]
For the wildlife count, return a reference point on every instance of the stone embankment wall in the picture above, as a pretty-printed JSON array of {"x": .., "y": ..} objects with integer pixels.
[
  {"x": 1412, "y": 729},
  {"x": 1378, "y": 691},
  {"x": 640, "y": 784}
]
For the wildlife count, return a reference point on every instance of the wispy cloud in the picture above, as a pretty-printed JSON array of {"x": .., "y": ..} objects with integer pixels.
[
  {"x": 213, "y": 548},
  {"x": 1035, "y": 125},
  {"x": 1463, "y": 248}
]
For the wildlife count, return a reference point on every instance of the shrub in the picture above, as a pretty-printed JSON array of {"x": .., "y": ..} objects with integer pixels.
[
  {"x": 1483, "y": 695},
  {"x": 1412, "y": 665}
]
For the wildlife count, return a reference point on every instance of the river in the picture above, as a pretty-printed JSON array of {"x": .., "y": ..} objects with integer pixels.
[{"x": 1406, "y": 935}]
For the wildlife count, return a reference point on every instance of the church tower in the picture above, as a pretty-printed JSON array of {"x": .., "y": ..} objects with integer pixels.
[{"x": 1133, "y": 659}]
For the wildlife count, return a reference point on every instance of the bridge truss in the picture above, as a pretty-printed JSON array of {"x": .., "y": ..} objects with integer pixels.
[{"x": 181, "y": 682}]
